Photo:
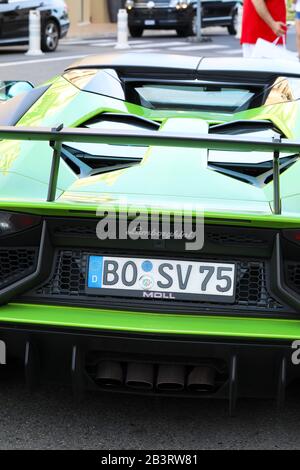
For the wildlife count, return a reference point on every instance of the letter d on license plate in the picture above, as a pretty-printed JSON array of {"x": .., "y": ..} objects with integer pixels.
[{"x": 161, "y": 279}]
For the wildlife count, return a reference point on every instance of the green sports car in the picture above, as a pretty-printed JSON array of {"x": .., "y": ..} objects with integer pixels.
[{"x": 150, "y": 227}]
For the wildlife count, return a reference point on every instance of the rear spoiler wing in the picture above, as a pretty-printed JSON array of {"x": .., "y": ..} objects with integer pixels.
[{"x": 57, "y": 136}]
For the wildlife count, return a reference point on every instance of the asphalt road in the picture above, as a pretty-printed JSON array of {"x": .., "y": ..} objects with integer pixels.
[
  {"x": 50, "y": 420},
  {"x": 14, "y": 64}
]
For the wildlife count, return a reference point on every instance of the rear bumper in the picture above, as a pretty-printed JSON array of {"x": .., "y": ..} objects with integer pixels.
[
  {"x": 64, "y": 28},
  {"x": 163, "y": 18},
  {"x": 56, "y": 342},
  {"x": 132, "y": 322},
  {"x": 52, "y": 346}
]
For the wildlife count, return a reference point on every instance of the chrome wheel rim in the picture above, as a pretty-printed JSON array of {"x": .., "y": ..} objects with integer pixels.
[{"x": 51, "y": 36}]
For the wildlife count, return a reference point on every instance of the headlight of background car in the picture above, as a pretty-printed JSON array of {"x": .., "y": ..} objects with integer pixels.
[
  {"x": 12, "y": 223},
  {"x": 129, "y": 4}
]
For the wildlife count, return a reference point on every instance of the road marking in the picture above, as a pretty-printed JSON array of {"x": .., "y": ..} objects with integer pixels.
[
  {"x": 233, "y": 51},
  {"x": 38, "y": 61},
  {"x": 139, "y": 51},
  {"x": 86, "y": 42},
  {"x": 100, "y": 44},
  {"x": 140, "y": 41},
  {"x": 112, "y": 44},
  {"x": 161, "y": 44},
  {"x": 142, "y": 45},
  {"x": 199, "y": 47}
]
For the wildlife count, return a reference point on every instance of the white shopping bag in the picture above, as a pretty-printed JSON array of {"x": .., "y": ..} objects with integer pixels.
[{"x": 269, "y": 50}]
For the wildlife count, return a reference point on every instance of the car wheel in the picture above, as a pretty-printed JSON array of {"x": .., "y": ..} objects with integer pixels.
[
  {"x": 182, "y": 32},
  {"x": 232, "y": 28},
  {"x": 190, "y": 29},
  {"x": 136, "y": 32},
  {"x": 50, "y": 36}
]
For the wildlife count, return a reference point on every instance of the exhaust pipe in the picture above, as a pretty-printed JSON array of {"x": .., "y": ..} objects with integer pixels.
[
  {"x": 109, "y": 374},
  {"x": 170, "y": 377},
  {"x": 140, "y": 376},
  {"x": 202, "y": 379}
]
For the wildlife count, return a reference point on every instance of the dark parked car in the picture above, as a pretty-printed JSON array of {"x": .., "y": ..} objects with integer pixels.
[
  {"x": 14, "y": 22},
  {"x": 180, "y": 15}
]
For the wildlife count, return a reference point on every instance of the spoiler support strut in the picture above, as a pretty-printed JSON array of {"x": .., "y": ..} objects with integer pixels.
[
  {"x": 276, "y": 179},
  {"x": 57, "y": 145}
]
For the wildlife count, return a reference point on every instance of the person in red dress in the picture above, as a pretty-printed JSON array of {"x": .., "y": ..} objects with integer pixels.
[{"x": 264, "y": 19}]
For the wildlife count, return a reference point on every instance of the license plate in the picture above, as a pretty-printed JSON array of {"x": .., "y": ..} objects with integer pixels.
[
  {"x": 161, "y": 278},
  {"x": 150, "y": 22}
]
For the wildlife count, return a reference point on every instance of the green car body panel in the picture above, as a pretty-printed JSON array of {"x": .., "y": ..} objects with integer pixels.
[
  {"x": 151, "y": 323},
  {"x": 164, "y": 179}
]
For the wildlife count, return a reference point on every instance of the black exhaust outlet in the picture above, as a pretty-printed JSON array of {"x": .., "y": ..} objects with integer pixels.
[
  {"x": 171, "y": 377},
  {"x": 202, "y": 379},
  {"x": 109, "y": 374},
  {"x": 140, "y": 376}
]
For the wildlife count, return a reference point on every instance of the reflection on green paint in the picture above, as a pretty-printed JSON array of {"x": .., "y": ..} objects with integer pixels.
[{"x": 165, "y": 179}]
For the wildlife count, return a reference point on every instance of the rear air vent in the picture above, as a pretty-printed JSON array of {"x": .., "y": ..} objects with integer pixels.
[
  {"x": 242, "y": 127},
  {"x": 76, "y": 230},
  {"x": 92, "y": 159},
  {"x": 255, "y": 168},
  {"x": 119, "y": 119},
  {"x": 222, "y": 238},
  {"x": 15, "y": 264},
  {"x": 257, "y": 174},
  {"x": 214, "y": 235},
  {"x": 86, "y": 164},
  {"x": 292, "y": 274}
]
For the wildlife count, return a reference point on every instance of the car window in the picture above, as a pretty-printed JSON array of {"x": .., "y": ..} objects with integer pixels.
[
  {"x": 197, "y": 95},
  {"x": 207, "y": 97}
]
